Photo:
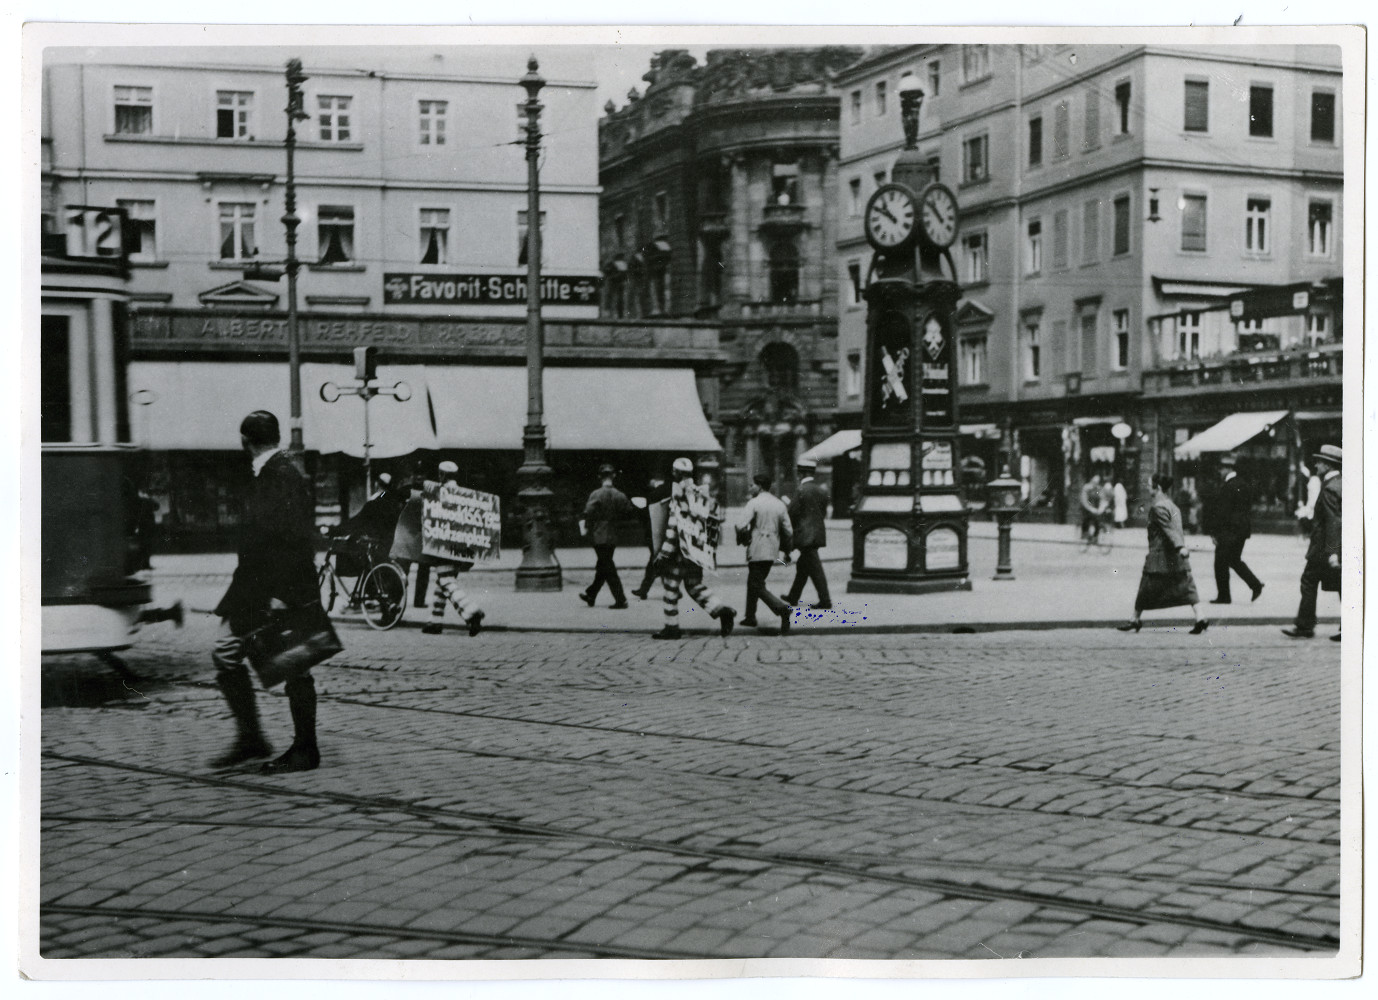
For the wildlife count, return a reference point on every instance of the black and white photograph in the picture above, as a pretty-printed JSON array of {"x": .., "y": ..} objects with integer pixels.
[{"x": 670, "y": 502}]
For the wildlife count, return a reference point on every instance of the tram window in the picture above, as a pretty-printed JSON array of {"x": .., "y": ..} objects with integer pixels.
[{"x": 55, "y": 421}]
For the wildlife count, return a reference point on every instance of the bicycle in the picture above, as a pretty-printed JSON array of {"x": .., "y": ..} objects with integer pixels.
[
  {"x": 1101, "y": 537},
  {"x": 380, "y": 587}
]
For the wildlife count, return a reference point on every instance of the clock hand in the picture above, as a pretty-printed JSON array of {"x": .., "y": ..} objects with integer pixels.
[{"x": 886, "y": 212}]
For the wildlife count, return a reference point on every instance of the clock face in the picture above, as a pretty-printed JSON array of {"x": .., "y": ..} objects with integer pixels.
[
  {"x": 890, "y": 217},
  {"x": 938, "y": 209}
]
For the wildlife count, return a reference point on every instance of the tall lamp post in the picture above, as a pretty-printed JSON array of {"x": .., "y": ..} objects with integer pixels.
[
  {"x": 266, "y": 271},
  {"x": 539, "y": 569}
]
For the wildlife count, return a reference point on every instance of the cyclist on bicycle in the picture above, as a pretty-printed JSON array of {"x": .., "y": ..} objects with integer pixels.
[{"x": 1094, "y": 504}]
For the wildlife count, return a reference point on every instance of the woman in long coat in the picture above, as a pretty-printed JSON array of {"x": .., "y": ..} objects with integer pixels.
[{"x": 1166, "y": 581}]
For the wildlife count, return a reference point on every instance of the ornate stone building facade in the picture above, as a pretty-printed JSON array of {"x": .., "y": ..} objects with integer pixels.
[{"x": 720, "y": 202}]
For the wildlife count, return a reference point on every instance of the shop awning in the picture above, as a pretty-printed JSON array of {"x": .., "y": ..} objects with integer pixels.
[
  {"x": 586, "y": 409},
  {"x": 1230, "y": 433},
  {"x": 197, "y": 406},
  {"x": 830, "y": 447}
]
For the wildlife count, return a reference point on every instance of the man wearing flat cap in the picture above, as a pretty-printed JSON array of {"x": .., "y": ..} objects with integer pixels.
[
  {"x": 1229, "y": 520},
  {"x": 276, "y": 569},
  {"x": 606, "y": 506},
  {"x": 1322, "y": 570}
]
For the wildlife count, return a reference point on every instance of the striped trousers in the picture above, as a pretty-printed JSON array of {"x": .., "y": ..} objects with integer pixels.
[
  {"x": 677, "y": 571},
  {"x": 445, "y": 588}
]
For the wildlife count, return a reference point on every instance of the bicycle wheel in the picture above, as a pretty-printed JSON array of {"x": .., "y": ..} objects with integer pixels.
[
  {"x": 325, "y": 583},
  {"x": 384, "y": 594}
]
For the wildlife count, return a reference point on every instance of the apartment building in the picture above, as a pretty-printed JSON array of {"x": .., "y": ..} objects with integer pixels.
[
  {"x": 1150, "y": 236},
  {"x": 411, "y": 191}
]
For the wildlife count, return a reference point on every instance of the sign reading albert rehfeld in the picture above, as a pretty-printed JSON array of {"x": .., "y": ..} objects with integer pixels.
[
  {"x": 460, "y": 524},
  {"x": 485, "y": 289}
]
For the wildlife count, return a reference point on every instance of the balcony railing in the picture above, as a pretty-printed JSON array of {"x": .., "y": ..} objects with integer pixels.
[
  {"x": 714, "y": 223},
  {"x": 784, "y": 217},
  {"x": 1324, "y": 361}
]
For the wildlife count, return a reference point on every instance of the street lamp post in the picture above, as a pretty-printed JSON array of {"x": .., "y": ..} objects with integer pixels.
[
  {"x": 290, "y": 221},
  {"x": 539, "y": 569}
]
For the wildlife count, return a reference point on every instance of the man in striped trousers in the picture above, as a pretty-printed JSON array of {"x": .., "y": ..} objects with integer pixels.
[
  {"x": 677, "y": 569},
  {"x": 445, "y": 583}
]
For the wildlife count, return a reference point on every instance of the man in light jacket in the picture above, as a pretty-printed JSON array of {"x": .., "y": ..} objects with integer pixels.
[{"x": 768, "y": 528}]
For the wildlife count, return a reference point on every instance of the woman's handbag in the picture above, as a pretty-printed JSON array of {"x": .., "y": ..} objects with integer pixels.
[{"x": 291, "y": 642}]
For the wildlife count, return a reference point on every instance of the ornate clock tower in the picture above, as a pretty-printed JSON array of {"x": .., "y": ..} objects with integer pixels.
[{"x": 909, "y": 529}]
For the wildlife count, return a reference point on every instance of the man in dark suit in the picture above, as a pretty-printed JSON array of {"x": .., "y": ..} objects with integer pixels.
[
  {"x": 1229, "y": 521},
  {"x": 1323, "y": 554},
  {"x": 808, "y": 512},
  {"x": 606, "y": 506},
  {"x": 276, "y": 568}
]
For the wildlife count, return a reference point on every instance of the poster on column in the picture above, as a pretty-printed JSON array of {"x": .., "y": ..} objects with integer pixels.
[
  {"x": 936, "y": 382},
  {"x": 460, "y": 524}
]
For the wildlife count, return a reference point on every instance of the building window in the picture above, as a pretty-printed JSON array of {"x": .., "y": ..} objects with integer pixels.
[
  {"x": 975, "y": 163},
  {"x": 1193, "y": 222},
  {"x": 975, "y": 63},
  {"x": 1196, "y": 106},
  {"x": 1120, "y": 318},
  {"x": 854, "y": 273},
  {"x": 435, "y": 235},
  {"x": 431, "y": 121},
  {"x": 1090, "y": 231},
  {"x": 522, "y": 232},
  {"x": 335, "y": 234},
  {"x": 1036, "y": 141},
  {"x": 619, "y": 231},
  {"x": 237, "y": 231},
  {"x": 854, "y": 191},
  {"x": 660, "y": 213},
  {"x": 880, "y": 177},
  {"x": 333, "y": 117},
  {"x": 133, "y": 110},
  {"x": 1256, "y": 224},
  {"x": 973, "y": 351},
  {"x": 141, "y": 234},
  {"x": 1189, "y": 336},
  {"x": 1261, "y": 111},
  {"x": 1322, "y": 116},
  {"x": 856, "y": 107},
  {"x": 1121, "y": 235},
  {"x": 853, "y": 374},
  {"x": 1318, "y": 224},
  {"x": 1062, "y": 116},
  {"x": 1033, "y": 247},
  {"x": 976, "y": 254},
  {"x": 784, "y": 189},
  {"x": 1090, "y": 138},
  {"x": 233, "y": 111},
  {"x": 880, "y": 98},
  {"x": 1090, "y": 335},
  {"x": 1317, "y": 328},
  {"x": 935, "y": 164},
  {"x": 1122, "y": 93},
  {"x": 1032, "y": 360},
  {"x": 935, "y": 74},
  {"x": 1060, "y": 239},
  {"x": 784, "y": 271}
]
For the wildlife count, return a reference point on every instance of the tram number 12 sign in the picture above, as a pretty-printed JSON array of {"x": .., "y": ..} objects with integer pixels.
[{"x": 94, "y": 232}]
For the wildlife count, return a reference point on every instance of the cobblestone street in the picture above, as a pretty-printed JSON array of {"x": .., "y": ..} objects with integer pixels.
[{"x": 531, "y": 795}]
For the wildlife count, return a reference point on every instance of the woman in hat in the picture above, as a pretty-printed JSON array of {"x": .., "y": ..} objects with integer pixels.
[{"x": 1166, "y": 581}]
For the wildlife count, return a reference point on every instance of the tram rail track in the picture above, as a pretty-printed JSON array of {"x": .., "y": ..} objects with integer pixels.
[{"x": 835, "y": 865}]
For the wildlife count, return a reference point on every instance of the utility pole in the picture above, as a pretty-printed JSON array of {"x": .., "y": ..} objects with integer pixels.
[{"x": 290, "y": 221}]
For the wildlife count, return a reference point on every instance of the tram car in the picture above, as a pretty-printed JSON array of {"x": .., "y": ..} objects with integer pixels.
[{"x": 92, "y": 597}]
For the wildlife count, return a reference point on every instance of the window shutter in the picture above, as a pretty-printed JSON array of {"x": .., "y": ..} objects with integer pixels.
[
  {"x": 1122, "y": 225},
  {"x": 1088, "y": 343},
  {"x": 1090, "y": 232},
  {"x": 1060, "y": 130},
  {"x": 1060, "y": 238},
  {"x": 1196, "y": 117},
  {"x": 1091, "y": 140}
]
